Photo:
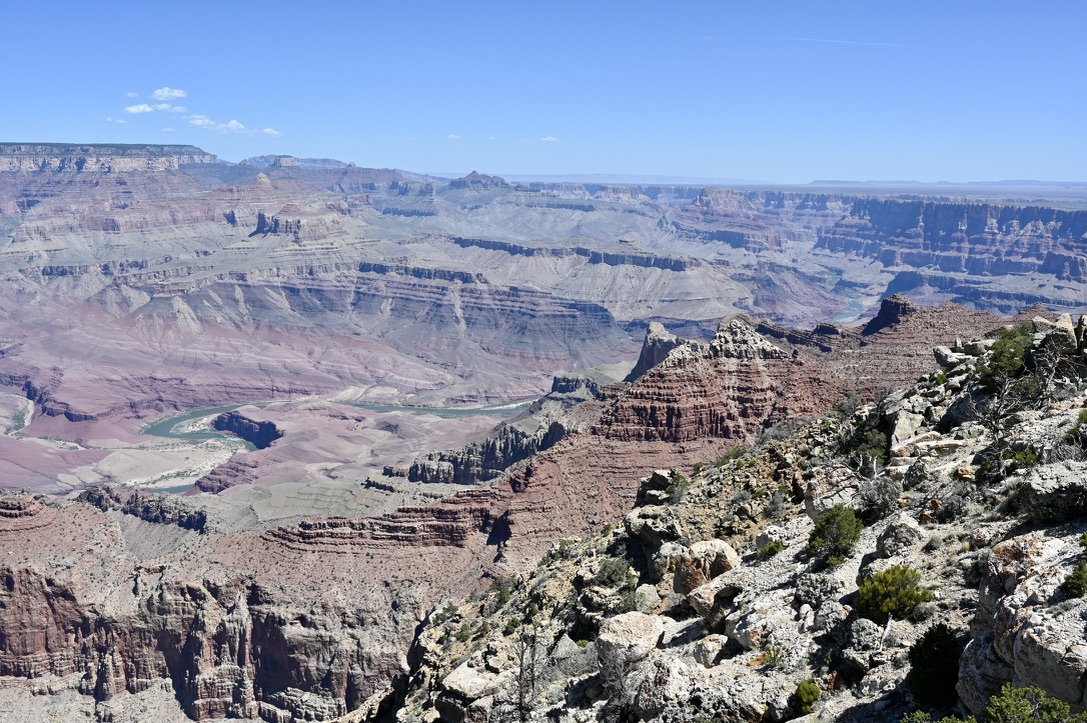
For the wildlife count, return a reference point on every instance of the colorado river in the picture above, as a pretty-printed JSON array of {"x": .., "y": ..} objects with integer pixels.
[{"x": 167, "y": 427}]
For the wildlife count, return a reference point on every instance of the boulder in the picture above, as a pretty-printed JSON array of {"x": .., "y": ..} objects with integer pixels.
[
  {"x": 653, "y": 526},
  {"x": 865, "y": 634},
  {"x": 829, "y": 615},
  {"x": 815, "y": 588},
  {"x": 752, "y": 629},
  {"x": 627, "y": 639},
  {"x": 705, "y": 560},
  {"x": 666, "y": 685},
  {"x": 905, "y": 425},
  {"x": 1051, "y": 653},
  {"x": 709, "y": 649},
  {"x": 646, "y": 599},
  {"x": 706, "y": 599},
  {"x": 665, "y": 560},
  {"x": 1055, "y": 492},
  {"x": 900, "y": 536},
  {"x": 827, "y": 488},
  {"x": 949, "y": 359},
  {"x": 716, "y": 555}
]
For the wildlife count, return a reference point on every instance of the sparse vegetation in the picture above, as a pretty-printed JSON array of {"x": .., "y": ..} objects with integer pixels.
[
  {"x": 1075, "y": 585},
  {"x": 1006, "y": 358},
  {"x": 878, "y": 497},
  {"x": 1029, "y": 705},
  {"x": 446, "y": 613},
  {"x": 834, "y": 535},
  {"x": 807, "y": 693},
  {"x": 503, "y": 588},
  {"x": 733, "y": 454},
  {"x": 1078, "y": 433},
  {"x": 677, "y": 487},
  {"x": 894, "y": 592},
  {"x": 770, "y": 549},
  {"x": 612, "y": 572}
]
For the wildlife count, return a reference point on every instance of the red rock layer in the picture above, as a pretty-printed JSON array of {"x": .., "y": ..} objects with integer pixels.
[{"x": 754, "y": 375}]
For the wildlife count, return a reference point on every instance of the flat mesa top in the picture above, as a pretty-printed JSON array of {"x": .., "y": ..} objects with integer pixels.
[{"x": 135, "y": 149}]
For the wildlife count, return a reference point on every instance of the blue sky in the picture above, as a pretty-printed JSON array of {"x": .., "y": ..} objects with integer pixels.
[{"x": 778, "y": 91}]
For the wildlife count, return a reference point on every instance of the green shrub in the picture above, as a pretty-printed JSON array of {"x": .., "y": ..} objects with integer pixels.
[
  {"x": 1078, "y": 433},
  {"x": 834, "y": 535},
  {"x": 677, "y": 487},
  {"x": 1006, "y": 357},
  {"x": 934, "y": 666},
  {"x": 503, "y": 588},
  {"x": 920, "y": 716},
  {"x": 1029, "y": 705},
  {"x": 464, "y": 633},
  {"x": 770, "y": 549},
  {"x": 612, "y": 572},
  {"x": 1075, "y": 585},
  {"x": 807, "y": 692},
  {"x": 444, "y": 614},
  {"x": 1024, "y": 459},
  {"x": 735, "y": 453},
  {"x": 511, "y": 626},
  {"x": 894, "y": 592}
]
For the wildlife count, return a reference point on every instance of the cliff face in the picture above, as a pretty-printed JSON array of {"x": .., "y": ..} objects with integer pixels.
[
  {"x": 958, "y": 249},
  {"x": 114, "y": 158}
]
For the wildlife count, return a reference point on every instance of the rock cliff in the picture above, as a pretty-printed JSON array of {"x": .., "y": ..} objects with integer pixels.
[
  {"x": 714, "y": 600},
  {"x": 116, "y": 158}
]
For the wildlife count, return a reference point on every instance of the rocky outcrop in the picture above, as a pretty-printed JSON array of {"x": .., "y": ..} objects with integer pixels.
[
  {"x": 483, "y": 461},
  {"x": 158, "y": 509},
  {"x": 1021, "y": 636},
  {"x": 260, "y": 434},
  {"x": 658, "y": 344},
  {"x": 729, "y": 388}
]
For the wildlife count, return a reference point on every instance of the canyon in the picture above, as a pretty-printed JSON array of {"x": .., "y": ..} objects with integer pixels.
[{"x": 332, "y": 316}]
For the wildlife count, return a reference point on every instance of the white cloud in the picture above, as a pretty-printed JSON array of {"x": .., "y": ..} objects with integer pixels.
[
  {"x": 167, "y": 130},
  {"x": 145, "y": 108},
  {"x": 199, "y": 120},
  {"x": 168, "y": 93},
  {"x": 132, "y": 94},
  {"x": 110, "y": 119},
  {"x": 549, "y": 139},
  {"x": 453, "y": 137}
]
